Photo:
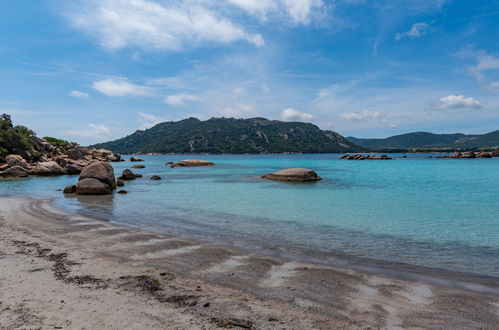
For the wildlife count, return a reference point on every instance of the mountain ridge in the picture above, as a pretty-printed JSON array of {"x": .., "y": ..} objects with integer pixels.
[
  {"x": 426, "y": 140},
  {"x": 229, "y": 135}
]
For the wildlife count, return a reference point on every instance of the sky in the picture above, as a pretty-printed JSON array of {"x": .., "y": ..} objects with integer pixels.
[{"x": 95, "y": 70}]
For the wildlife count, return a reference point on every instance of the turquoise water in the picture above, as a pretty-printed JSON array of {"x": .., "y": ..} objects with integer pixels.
[{"x": 441, "y": 213}]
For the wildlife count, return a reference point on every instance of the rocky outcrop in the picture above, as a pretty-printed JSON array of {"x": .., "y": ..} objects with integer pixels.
[
  {"x": 47, "y": 168},
  {"x": 96, "y": 179},
  {"x": 77, "y": 153},
  {"x": 14, "y": 172},
  {"x": 16, "y": 160},
  {"x": 293, "y": 175},
  {"x": 192, "y": 163},
  {"x": 136, "y": 159},
  {"x": 129, "y": 175},
  {"x": 368, "y": 157}
]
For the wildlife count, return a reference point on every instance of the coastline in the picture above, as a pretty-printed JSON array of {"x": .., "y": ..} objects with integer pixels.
[{"x": 115, "y": 276}]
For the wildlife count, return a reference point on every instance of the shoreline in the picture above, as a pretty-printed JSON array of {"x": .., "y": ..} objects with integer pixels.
[
  {"x": 480, "y": 283},
  {"x": 203, "y": 286}
]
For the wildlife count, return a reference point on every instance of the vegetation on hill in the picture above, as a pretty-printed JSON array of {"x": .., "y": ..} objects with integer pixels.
[
  {"x": 429, "y": 141},
  {"x": 63, "y": 145},
  {"x": 23, "y": 141},
  {"x": 229, "y": 135},
  {"x": 14, "y": 139}
]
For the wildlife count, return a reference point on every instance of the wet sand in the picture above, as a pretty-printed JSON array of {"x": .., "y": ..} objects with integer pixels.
[{"x": 64, "y": 271}]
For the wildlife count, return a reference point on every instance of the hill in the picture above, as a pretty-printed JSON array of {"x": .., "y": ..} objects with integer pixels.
[
  {"x": 424, "y": 140},
  {"x": 229, "y": 135}
]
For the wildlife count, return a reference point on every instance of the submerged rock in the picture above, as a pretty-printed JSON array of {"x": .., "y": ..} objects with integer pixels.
[
  {"x": 293, "y": 175},
  {"x": 138, "y": 166},
  {"x": 129, "y": 175},
  {"x": 71, "y": 189},
  {"x": 122, "y": 192},
  {"x": 155, "y": 177},
  {"x": 192, "y": 163}
]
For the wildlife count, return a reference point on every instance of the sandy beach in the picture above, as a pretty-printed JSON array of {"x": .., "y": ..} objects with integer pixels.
[{"x": 64, "y": 271}]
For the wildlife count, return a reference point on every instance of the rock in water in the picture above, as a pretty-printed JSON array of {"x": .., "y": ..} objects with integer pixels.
[
  {"x": 155, "y": 177},
  {"x": 100, "y": 171},
  {"x": 136, "y": 159},
  {"x": 129, "y": 175},
  {"x": 14, "y": 172},
  {"x": 96, "y": 179},
  {"x": 192, "y": 163},
  {"x": 293, "y": 175},
  {"x": 120, "y": 182},
  {"x": 71, "y": 189},
  {"x": 122, "y": 192},
  {"x": 138, "y": 166},
  {"x": 91, "y": 186}
]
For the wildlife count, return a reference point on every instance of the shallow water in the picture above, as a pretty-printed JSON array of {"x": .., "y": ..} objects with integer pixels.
[{"x": 441, "y": 213}]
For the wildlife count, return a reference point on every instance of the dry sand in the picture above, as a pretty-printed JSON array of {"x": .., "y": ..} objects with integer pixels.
[{"x": 63, "y": 271}]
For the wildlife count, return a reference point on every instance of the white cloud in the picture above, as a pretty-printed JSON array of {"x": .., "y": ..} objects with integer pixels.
[
  {"x": 93, "y": 131},
  {"x": 417, "y": 30},
  {"x": 494, "y": 85},
  {"x": 147, "y": 120},
  {"x": 180, "y": 99},
  {"x": 357, "y": 116},
  {"x": 291, "y": 114},
  {"x": 121, "y": 87},
  {"x": 297, "y": 11},
  {"x": 79, "y": 95},
  {"x": 367, "y": 115},
  {"x": 487, "y": 62},
  {"x": 458, "y": 101},
  {"x": 240, "y": 110},
  {"x": 152, "y": 25}
]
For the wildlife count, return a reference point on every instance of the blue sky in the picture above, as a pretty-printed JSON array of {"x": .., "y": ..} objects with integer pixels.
[{"x": 95, "y": 70}]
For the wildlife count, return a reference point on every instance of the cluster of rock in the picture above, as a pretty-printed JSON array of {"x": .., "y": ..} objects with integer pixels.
[
  {"x": 471, "y": 154},
  {"x": 362, "y": 157},
  {"x": 293, "y": 175},
  {"x": 53, "y": 161}
]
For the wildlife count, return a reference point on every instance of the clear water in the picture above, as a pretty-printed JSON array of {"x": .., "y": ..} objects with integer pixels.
[{"x": 441, "y": 213}]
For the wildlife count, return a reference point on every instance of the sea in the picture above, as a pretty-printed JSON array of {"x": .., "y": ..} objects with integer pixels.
[{"x": 413, "y": 210}]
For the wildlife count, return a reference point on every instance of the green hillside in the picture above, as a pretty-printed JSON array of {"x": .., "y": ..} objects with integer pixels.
[{"x": 229, "y": 135}]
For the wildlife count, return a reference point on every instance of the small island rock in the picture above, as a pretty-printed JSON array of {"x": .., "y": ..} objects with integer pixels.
[
  {"x": 136, "y": 159},
  {"x": 192, "y": 163},
  {"x": 129, "y": 175},
  {"x": 293, "y": 175}
]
